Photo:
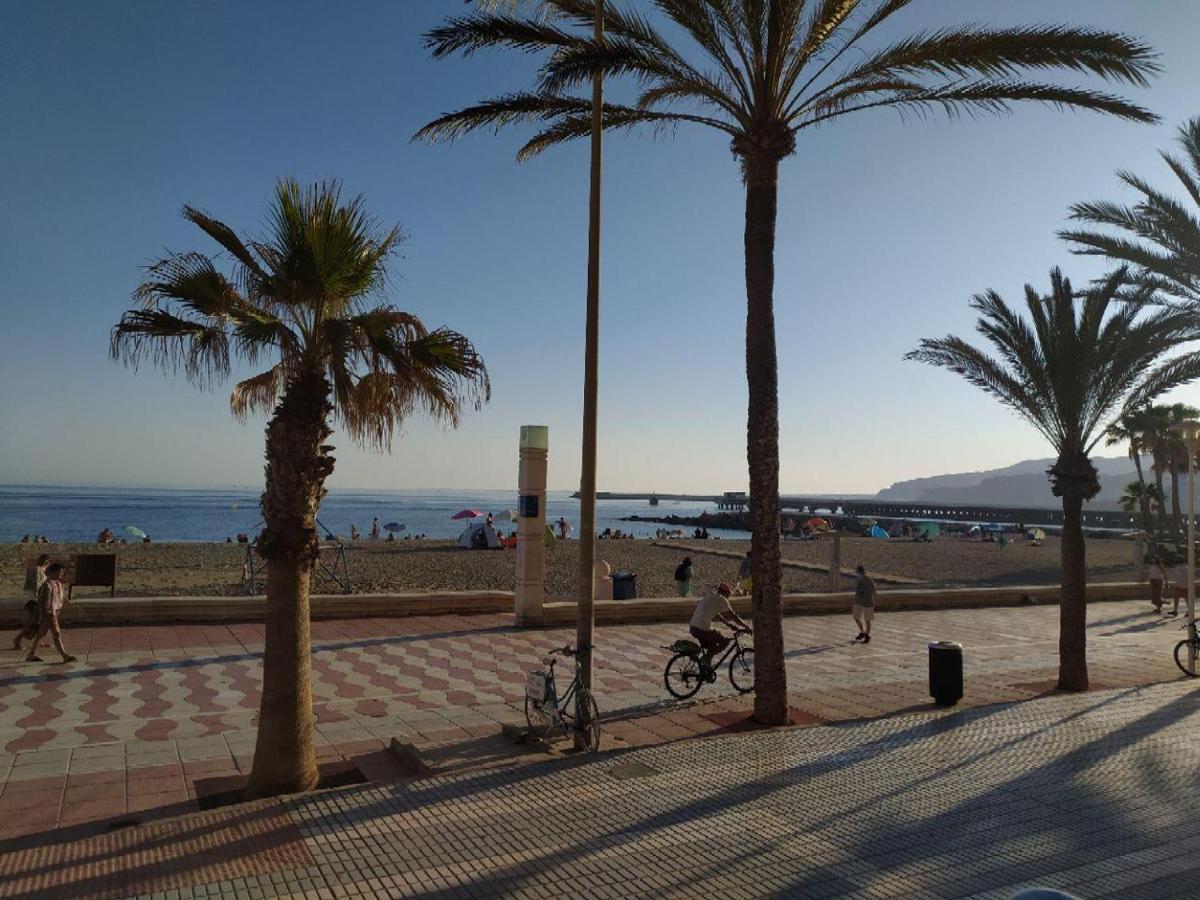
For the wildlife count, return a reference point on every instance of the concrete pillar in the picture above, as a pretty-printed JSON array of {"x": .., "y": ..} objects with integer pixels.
[
  {"x": 604, "y": 585},
  {"x": 531, "y": 524},
  {"x": 835, "y": 563}
]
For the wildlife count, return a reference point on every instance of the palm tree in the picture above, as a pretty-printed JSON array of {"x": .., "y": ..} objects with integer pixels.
[
  {"x": 1129, "y": 430},
  {"x": 298, "y": 299},
  {"x": 760, "y": 72},
  {"x": 1156, "y": 438},
  {"x": 1158, "y": 236},
  {"x": 1070, "y": 376},
  {"x": 1139, "y": 496},
  {"x": 1177, "y": 457}
]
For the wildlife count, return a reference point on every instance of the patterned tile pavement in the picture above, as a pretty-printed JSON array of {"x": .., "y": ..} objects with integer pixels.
[
  {"x": 1089, "y": 793},
  {"x": 127, "y": 731}
]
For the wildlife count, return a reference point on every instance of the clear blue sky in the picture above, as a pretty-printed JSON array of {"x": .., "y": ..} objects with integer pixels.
[{"x": 116, "y": 114}]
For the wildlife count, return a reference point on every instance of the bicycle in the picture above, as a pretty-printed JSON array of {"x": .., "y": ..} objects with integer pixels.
[
  {"x": 1181, "y": 649},
  {"x": 546, "y": 712},
  {"x": 689, "y": 669}
]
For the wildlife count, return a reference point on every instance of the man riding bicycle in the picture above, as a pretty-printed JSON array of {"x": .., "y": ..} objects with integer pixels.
[{"x": 714, "y": 606}]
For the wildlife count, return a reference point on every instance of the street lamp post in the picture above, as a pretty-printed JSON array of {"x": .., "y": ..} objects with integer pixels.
[{"x": 1189, "y": 433}]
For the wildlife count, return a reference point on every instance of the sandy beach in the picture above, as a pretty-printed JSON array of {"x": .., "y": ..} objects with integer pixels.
[{"x": 414, "y": 566}]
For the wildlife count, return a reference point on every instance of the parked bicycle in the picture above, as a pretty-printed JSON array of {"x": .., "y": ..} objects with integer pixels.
[
  {"x": 690, "y": 668},
  {"x": 1181, "y": 649},
  {"x": 575, "y": 712}
]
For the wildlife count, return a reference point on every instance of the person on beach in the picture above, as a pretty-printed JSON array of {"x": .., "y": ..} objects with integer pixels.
[
  {"x": 34, "y": 585},
  {"x": 375, "y": 527},
  {"x": 1158, "y": 578},
  {"x": 714, "y": 606},
  {"x": 746, "y": 574},
  {"x": 563, "y": 528},
  {"x": 353, "y": 533},
  {"x": 1179, "y": 580},
  {"x": 683, "y": 577},
  {"x": 863, "y": 609},
  {"x": 50, "y": 603}
]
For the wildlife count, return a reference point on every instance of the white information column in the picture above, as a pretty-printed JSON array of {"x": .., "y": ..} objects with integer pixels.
[{"x": 531, "y": 524}]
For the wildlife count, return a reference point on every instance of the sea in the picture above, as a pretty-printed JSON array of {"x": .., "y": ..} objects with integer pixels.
[{"x": 78, "y": 514}]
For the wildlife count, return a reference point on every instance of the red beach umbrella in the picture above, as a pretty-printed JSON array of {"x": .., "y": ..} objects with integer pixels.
[{"x": 467, "y": 514}]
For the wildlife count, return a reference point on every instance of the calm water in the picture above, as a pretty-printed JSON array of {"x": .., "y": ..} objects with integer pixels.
[{"x": 79, "y": 513}]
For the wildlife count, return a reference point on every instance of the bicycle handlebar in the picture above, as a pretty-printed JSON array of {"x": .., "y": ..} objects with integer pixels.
[{"x": 568, "y": 650}]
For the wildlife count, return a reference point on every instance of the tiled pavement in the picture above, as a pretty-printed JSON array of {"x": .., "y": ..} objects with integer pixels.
[
  {"x": 127, "y": 731},
  {"x": 1090, "y": 793}
]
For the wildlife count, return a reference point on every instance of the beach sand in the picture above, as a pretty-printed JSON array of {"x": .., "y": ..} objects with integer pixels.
[{"x": 203, "y": 569}]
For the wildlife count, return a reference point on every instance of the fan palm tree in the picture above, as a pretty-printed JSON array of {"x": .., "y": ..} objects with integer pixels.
[
  {"x": 1139, "y": 496},
  {"x": 1176, "y": 457},
  {"x": 298, "y": 301},
  {"x": 1129, "y": 431},
  {"x": 1070, "y": 376},
  {"x": 760, "y": 72},
  {"x": 1158, "y": 236}
]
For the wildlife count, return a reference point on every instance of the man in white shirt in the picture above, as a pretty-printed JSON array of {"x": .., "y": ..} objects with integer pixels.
[{"x": 714, "y": 606}]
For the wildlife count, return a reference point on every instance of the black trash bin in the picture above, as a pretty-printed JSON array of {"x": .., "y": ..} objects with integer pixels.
[
  {"x": 945, "y": 672},
  {"x": 624, "y": 586}
]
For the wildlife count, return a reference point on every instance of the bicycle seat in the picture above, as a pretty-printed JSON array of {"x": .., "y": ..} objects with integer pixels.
[{"x": 548, "y": 660}]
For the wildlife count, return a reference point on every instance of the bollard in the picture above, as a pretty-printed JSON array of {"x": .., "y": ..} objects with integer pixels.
[{"x": 945, "y": 672}]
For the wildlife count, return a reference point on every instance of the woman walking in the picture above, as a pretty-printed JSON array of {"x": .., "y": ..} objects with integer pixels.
[
  {"x": 36, "y": 579},
  {"x": 50, "y": 603}
]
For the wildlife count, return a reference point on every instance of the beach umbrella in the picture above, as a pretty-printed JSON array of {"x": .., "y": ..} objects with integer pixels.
[
  {"x": 394, "y": 526},
  {"x": 877, "y": 532},
  {"x": 467, "y": 514},
  {"x": 134, "y": 532}
]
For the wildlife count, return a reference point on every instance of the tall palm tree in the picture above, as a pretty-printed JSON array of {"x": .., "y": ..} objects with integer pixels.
[
  {"x": 760, "y": 72},
  {"x": 1070, "y": 376},
  {"x": 1129, "y": 431},
  {"x": 299, "y": 300},
  {"x": 1177, "y": 458},
  {"x": 1159, "y": 235},
  {"x": 1156, "y": 438}
]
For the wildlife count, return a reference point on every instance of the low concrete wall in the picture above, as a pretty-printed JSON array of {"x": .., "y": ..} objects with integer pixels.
[
  {"x": 165, "y": 610},
  {"x": 144, "y": 610},
  {"x": 679, "y": 609}
]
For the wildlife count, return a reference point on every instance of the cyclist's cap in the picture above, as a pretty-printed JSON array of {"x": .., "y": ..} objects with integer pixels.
[{"x": 725, "y": 589}]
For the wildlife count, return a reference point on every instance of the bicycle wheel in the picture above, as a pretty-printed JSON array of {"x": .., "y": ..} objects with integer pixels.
[
  {"x": 537, "y": 718},
  {"x": 741, "y": 670},
  {"x": 682, "y": 676},
  {"x": 587, "y": 720},
  {"x": 1181, "y": 656}
]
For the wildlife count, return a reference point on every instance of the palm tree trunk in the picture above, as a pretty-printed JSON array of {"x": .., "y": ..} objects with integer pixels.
[
  {"x": 1072, "y": 623},
  {"x": 298, "y": 463},
  {"x": 762, "y": 440},
  {"x": 1162, "y": 503},
  {"x": 1143, "y": 497},
  {"x": 1176, "y": 515}
]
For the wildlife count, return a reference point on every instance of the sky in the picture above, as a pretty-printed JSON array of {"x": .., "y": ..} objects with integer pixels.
[{"x": 116, "y": 114}]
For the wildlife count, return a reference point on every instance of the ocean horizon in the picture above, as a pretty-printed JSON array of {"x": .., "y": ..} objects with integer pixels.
[{"x": 75, "y": 514}]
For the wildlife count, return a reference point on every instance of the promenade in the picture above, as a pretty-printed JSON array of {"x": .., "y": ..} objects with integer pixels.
[
  {"x": 1092, "y": 793},
  {"x": 151, "y": 718}
]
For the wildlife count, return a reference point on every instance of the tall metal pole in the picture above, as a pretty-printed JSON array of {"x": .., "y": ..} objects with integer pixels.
[
  {"x": 586, "y": 591},
  {"x": 1191, "y": 556}
]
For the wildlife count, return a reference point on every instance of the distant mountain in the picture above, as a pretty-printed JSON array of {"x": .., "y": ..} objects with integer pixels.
[{"x": 1021, "y": 484}]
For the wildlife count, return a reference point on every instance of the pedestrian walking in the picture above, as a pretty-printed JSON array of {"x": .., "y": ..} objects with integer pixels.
[
  {"x": 50, "y": 603},
  {"x": 864, "y": 604},
  {"x": 746, "y": 574},
  {"x": 375, "y": 527},
  {"x": 1158, "y": 578},
  {"x": 1179, "y": 582},
  {"x": 36, "y": 579},
  {"x": 683, "y": 577}
]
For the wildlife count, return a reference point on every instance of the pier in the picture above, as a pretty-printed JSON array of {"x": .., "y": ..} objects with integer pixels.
[{"x": 902, "y": 509}]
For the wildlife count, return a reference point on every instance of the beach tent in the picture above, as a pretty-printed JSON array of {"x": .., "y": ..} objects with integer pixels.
[
  {"x": 993, "y": 526},
  {"x": 816, "y": 523},
  {"x": 508, "y": 515},
  {"x": 877, "y": 532},
  {"x": 549, "y": 537},
  {"x": 974, "y": 529},
  {"x": 930, "y": 528},
  {"x": 479, "y": 536}
]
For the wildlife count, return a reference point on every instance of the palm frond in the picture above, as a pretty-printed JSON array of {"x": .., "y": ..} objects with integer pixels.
[
  {"x": 199, "y": 349},
  {"x": 257, "y": 394}
]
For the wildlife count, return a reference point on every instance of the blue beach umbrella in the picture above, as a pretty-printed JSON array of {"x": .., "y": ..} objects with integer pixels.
[
  {"x": 394, "y": 526},
  {"x": 134, "y": 531}
]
